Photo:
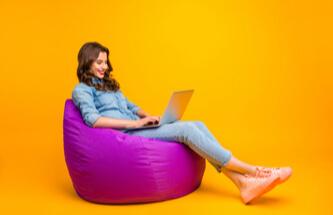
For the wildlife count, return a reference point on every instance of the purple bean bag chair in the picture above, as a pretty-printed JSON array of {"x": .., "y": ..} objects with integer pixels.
[{"x": 109, "y": 166}]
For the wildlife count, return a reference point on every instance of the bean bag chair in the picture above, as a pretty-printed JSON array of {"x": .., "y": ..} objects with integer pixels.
[{"x": 109, "y": 166}]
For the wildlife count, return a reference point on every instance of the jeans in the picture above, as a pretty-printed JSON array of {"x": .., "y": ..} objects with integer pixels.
[{"x": 195, "y": 135}]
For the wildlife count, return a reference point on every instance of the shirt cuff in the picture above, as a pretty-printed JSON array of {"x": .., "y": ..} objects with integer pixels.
[
  {"x": 91, "y": 119},
  {"x": 135, "y": 109}
]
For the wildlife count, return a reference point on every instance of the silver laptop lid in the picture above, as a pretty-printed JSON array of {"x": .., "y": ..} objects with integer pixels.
[{"x": 177, "y": 105}]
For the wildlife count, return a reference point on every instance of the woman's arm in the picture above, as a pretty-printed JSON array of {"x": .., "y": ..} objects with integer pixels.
[
  {"x": 83, "y": 98},
  {"x": 107, "y": 122},
  {"x": 141, "y": 113},
  {"x": 134, "y": 108}
]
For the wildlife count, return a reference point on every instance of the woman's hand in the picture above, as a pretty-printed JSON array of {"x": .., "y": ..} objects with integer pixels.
[
  {"x": 148, "y": 120},
  {"x": 157, "y": 118}
]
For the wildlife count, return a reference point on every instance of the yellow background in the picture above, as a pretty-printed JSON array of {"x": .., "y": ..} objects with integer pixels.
[{"x": 261, "y": 70}]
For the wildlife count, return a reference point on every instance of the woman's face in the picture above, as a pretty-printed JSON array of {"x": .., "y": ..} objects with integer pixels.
[{"x": 99, "y": 66}]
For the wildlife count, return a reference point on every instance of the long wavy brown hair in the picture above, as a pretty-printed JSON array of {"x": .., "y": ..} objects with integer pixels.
[{"x": 87, "y": 55}]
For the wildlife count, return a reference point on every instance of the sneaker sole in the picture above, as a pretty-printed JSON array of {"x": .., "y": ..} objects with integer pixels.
[
  {"x": 254, "y": 196},
  {"x": 275, "y": 183}
]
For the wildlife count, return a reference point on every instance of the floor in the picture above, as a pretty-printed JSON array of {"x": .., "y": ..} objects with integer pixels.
[{"x": 40, "y": 184}]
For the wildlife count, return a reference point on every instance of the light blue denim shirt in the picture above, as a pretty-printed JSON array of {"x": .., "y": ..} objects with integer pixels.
[{"x": 95, "y": 103}]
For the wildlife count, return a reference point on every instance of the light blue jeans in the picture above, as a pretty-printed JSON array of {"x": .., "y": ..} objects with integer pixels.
[{"x": 195, "y": 135}]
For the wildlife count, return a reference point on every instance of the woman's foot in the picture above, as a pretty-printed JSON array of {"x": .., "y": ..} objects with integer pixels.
[{"x": 252, "y": 187}]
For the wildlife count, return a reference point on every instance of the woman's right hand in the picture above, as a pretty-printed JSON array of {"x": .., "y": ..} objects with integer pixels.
[{"x": 148, "y": 120}]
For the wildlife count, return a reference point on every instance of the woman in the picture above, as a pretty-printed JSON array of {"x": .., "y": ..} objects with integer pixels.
[{"x": 102, "y": 104}]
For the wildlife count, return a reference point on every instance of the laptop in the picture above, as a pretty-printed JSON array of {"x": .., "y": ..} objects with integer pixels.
[{"x": 174, "y": 111}]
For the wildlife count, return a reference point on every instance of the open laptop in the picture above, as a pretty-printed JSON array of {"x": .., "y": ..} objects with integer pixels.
[{"x": 174, "y": 111}]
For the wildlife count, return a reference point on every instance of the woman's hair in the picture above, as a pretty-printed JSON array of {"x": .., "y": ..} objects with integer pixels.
[{"x": 87, "y": 55}]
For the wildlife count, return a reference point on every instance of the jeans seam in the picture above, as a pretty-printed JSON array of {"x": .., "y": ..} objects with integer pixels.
[{"x": 207, "y": 154}]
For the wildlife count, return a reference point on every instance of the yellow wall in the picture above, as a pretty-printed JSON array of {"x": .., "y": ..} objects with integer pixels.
[{"x": 261, "y": 70}]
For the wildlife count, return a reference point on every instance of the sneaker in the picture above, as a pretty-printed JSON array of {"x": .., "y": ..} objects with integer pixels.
[
  {"x": 282, "y": 172},
  {"x": 256, "y": 186}
]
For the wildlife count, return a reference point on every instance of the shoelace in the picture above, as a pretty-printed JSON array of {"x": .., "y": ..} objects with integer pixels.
[
  {"x": 262, "y": 172},
  {"x": 255, "y": 179},
  {"x": 271, "y": 171}
]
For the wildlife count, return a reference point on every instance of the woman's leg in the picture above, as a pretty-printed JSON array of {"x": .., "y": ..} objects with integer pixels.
[
  {"x": 233, "y": 176},
  {"x": 252, "y": 181},
  {"x": 234, "y": 164},
  {"x": 188, "y": 133}
]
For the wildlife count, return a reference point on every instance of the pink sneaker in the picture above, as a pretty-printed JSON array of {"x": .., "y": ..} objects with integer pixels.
[
  {"x": 282, "y": 172},
  {"x": 256, "y": 186}
]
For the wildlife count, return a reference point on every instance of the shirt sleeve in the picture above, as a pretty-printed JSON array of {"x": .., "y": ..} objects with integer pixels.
[
  {"x": 131, "y": 106},
  {"x": 84, "y": 100}
]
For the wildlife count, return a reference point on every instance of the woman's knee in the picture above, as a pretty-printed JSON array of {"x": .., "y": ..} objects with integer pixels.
[
  {"x": 198, "y": 123},
  {"x": 186, "y": 127},
  {"x": 191, "y": 125},
  {"x": 188, "y": 124}
]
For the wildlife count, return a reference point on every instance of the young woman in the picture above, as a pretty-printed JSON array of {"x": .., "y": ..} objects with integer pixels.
[{"x": 102, "y": 104}]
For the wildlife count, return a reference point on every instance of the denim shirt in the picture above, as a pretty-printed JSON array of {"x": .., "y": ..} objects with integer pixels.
[{"x": 95, "y": 103}]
